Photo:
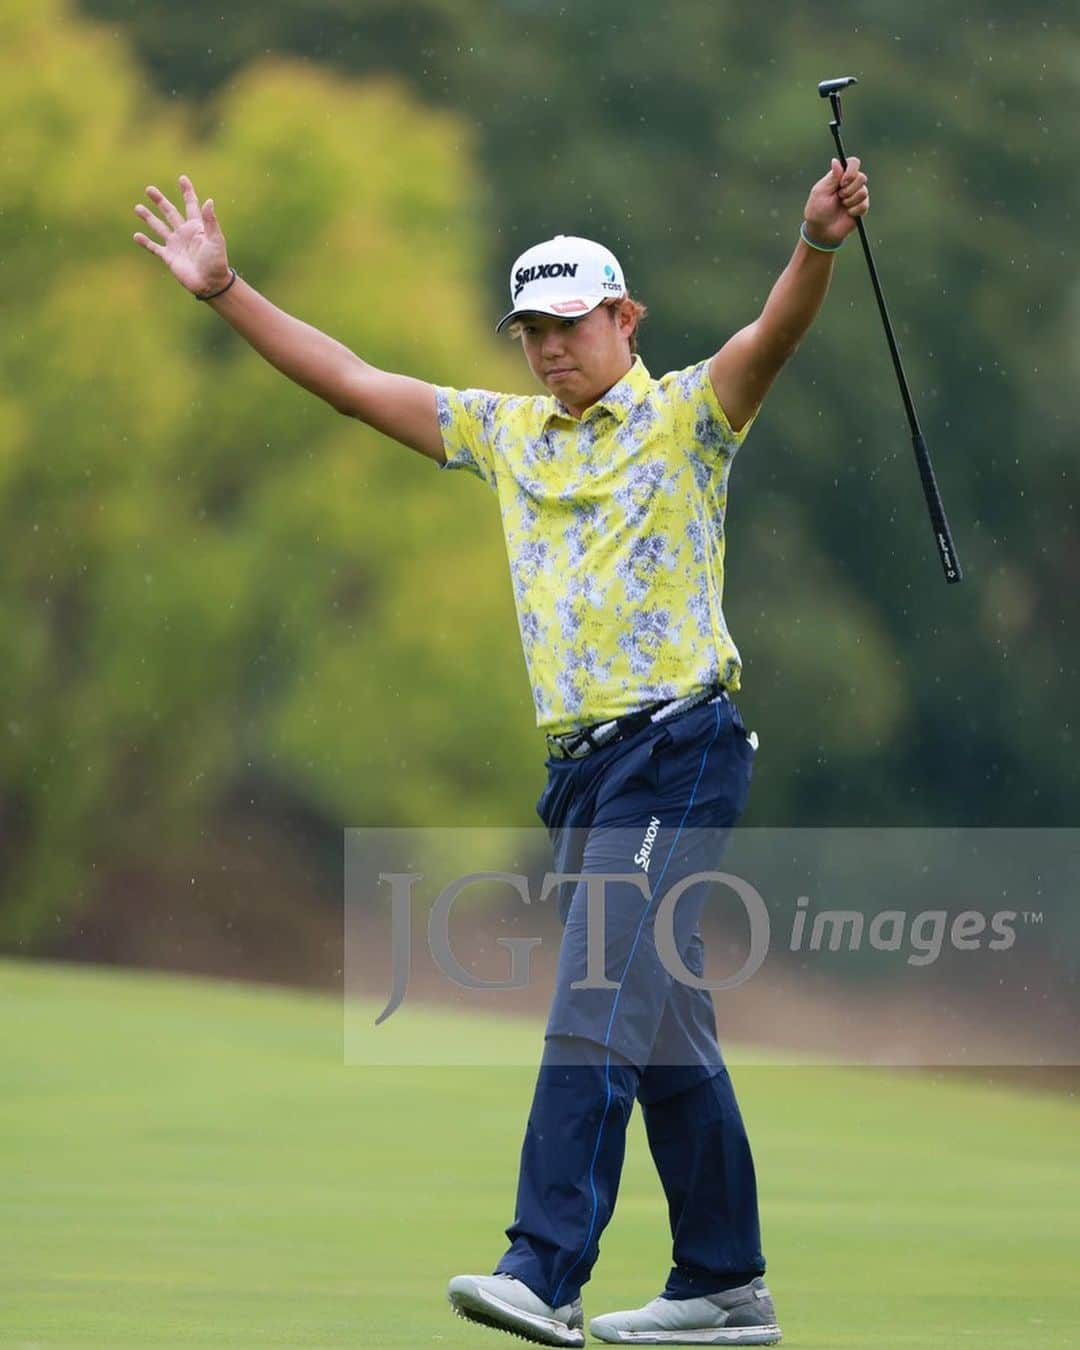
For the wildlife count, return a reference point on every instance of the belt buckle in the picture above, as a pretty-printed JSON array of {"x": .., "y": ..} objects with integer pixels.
[
  {"x": 578, "y": 744},
  {"x": 568, "y": 745}
]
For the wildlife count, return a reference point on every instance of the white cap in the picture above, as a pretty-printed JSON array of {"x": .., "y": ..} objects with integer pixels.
[{"x": 565, "y": 276}]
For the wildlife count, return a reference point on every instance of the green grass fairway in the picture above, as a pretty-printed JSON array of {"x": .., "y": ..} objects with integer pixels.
[{"x": 186, "y": 1163}]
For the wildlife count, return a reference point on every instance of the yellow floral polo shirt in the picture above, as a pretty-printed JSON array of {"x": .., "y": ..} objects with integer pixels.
[{"x": 614, "y": 528}]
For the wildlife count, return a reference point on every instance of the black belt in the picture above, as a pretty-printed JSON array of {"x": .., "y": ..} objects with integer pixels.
[{"x": 583, "y": 741}]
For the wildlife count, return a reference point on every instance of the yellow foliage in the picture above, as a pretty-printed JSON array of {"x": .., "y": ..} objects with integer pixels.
[{"x": 213, "y": 569}]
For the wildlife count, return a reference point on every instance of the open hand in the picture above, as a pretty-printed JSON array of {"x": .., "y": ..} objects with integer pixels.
[
  {"x": 836, "y": 201},
  {"x": 194, "y": 248}
]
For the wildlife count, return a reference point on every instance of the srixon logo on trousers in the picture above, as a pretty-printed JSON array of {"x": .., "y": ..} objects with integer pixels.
[
  {"x": 540, "y": 272},
  {"x": 644, "y": 853}
]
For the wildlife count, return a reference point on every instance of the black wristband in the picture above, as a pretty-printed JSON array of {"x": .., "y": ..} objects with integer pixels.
[{"x": 223, "y": 289}]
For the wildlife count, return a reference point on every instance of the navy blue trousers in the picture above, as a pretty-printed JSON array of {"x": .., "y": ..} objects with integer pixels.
[{"x": 658, "y": 805}]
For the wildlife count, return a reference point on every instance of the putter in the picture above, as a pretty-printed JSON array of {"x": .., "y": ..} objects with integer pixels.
[{"x": 950, "y": 563}]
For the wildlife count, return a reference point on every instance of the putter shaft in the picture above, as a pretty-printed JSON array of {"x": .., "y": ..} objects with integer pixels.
[{"x": 950, "y": 563}]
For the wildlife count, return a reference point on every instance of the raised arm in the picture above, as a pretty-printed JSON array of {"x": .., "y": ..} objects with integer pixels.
[
  {"x": 194, "y": 252},
  {"x": 744, "y": 368}
]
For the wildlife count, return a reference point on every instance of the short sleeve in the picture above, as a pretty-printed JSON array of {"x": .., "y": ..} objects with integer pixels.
[
  {"x": 705, "y": 420},
  {"x": 467, "y": 419}
]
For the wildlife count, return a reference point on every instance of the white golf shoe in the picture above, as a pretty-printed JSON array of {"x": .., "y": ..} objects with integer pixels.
[
  {"x": 501, "y": 1302},
  {"x": 743, "y": 1316}
]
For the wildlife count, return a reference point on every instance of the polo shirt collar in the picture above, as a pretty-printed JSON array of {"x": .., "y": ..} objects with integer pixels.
[{"x": 618, "y": 400}]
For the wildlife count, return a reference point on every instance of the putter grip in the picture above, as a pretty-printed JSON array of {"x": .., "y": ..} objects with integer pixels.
[{"x": 950, "y": 563}]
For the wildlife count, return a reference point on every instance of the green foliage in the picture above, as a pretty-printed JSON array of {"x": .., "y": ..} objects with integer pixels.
[
  {"x": 688, "y": 139},
  {"x": 204, "y": 578},
  {"x": 210, "y": 576}
]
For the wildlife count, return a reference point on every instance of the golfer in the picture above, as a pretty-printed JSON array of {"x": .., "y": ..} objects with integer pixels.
[{"x": 612, "y": 487}]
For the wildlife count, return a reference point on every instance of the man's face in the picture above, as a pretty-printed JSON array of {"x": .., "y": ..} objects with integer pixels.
[{"x": 578, "y": 360}]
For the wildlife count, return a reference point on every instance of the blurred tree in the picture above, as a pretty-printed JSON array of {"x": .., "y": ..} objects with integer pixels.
[
  {"x": 688, "y": 138},
  {"x": 204, "y": 590},
  {"x": 211, "y": 577}
]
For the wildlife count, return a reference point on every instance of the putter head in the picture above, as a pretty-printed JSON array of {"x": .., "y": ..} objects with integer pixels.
[{"x": 829, "y": 87}]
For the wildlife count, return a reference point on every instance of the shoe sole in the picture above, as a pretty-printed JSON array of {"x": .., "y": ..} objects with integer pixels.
[
  {"x": 488, "y": 1311},
  {"x": 769, "y": 1335}
]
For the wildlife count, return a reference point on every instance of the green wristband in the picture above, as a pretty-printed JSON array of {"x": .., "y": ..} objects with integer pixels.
[{"x": 821, "y": 248}]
